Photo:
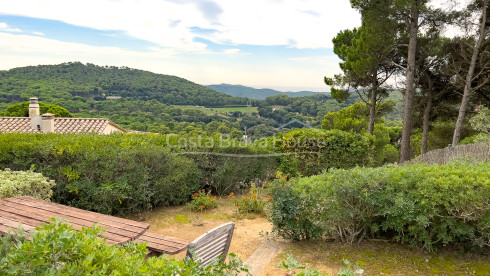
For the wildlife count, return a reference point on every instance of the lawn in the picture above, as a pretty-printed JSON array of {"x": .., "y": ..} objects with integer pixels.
[
  {"x": 244, "y": 109},
  {"x": 375, "y": 257}
]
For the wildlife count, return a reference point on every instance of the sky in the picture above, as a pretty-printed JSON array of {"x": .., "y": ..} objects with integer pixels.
[{"x": 279, "y": 44}]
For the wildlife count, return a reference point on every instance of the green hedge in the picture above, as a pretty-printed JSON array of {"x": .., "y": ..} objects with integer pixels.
[
  {"x": 25, "y": 183},
  {"x": 421, "y": 205},
  {"x": 316, "y": 150},
  {"x": 108, "y": 174},
  {"x": 127, "y": 173}
]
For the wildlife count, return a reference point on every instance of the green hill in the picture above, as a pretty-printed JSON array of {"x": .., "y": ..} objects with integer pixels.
[
  {"x": 258, "y": 94},
  {"x": 75, "y": 86}
]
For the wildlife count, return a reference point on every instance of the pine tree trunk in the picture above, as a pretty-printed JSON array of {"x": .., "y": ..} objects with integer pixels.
[
  {"x": 410, "y": 85},
  {"x": 372, "y": 107},
  {"x": 425, "y": 132},
  {"x": 469, "y": 77}
]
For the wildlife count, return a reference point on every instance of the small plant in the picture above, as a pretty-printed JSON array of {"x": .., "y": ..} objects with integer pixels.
[
  {"x": 253, "y": 202},
  {"x": 202, "y": 200},
  {"x": 25, "y": 183}
]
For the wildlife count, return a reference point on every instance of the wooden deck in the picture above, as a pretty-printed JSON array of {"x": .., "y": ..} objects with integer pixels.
[{"x": 30, "y": 212}]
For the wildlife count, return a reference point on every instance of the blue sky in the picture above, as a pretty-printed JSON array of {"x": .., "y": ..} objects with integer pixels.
[{"x": 281, "y": 44}]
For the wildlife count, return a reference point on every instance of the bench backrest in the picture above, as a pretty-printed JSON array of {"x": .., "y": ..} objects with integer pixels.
[{"x": 211, "y": 244}]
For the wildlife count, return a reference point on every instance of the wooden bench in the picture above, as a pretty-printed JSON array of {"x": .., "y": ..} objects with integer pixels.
[
  {"x": 159, "y": 244},
  {"x": 212, "y": 244}
]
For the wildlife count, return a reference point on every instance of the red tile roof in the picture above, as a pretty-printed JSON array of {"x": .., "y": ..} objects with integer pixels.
[{"x": 61, "y": 125}]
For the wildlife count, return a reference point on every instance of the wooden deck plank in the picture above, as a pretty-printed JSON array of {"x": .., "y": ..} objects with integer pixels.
[
  {"x": 44, "y": 216},
  {"x": 21, "y": 219},
  {"x": 58, "y": 208},
  {"x": 108, "y": 217},
  {"x": 15, "y": 224},
  {"x": 72, "y": 216}
]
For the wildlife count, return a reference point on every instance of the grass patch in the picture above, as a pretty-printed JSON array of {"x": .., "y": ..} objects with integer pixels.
[
  {"x": 244, "y": 109},
  {"x": 206, "y": 110},
  {"x": 389, "y": 258},
  {"x": 182, "y": 219}
]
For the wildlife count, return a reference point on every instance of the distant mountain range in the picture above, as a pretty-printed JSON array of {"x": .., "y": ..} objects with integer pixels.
[{"x": 259, "y": 94}]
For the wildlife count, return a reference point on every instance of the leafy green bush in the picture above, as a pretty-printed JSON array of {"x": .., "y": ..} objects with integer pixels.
[
  {"x": 202, "y": 200},
  {"x": 22, "y": 110},
  {"x": 124, "y": 173},
  {"x": 104, "y": 173},
  {"x": 481, "y": 121},
  {"x": 25, "y": 183},
  {"x": 225, "y": 165},
  {"x": 290, "y": 215},
  {"x": 316, "y": 150},
  {"x": 57, "y": 249},
  {"x": 421, "y": 205}
]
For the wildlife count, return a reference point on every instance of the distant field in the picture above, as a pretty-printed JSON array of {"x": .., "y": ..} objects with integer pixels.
[
  {"x": 233, "y": 109},
  {"x": 208, "y": 111}
]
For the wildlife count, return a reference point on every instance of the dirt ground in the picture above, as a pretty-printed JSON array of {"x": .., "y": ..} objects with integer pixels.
[
  {"x": 375, "y": 257},
  {"x": 250, "y": 230}
]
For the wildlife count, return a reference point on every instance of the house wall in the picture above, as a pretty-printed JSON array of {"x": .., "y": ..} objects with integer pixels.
[{"x": 110, "y": 129}]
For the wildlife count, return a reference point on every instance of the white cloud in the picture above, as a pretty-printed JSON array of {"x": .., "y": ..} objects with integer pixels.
[
  {"x": 171, "y": 25},
  {"x": 296, "y": 23},
  {"x": 38, "y": 33},
  {"x": 6, "y": 28},
  {"x": 18, "y": 50},
  {"x": 288, "y": 22},
  {"x": 231, "y": 51},
  {"x": 23, "y": 50}
]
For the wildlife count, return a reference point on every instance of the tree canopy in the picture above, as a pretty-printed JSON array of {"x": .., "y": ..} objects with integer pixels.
[{"x": 22, "y": 110}]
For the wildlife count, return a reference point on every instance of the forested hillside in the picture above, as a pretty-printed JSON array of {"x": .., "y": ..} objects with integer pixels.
[
  {"x": 144, "y": 101},
  {"x": 258, "y": 94},
  {"x": 75, "y": 86}
]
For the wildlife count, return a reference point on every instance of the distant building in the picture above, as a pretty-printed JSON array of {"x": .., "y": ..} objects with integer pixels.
[{"x": 47, "y": 123}]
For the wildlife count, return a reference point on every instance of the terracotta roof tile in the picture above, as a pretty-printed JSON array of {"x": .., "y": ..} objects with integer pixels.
[{"x": 61, "y": 125}]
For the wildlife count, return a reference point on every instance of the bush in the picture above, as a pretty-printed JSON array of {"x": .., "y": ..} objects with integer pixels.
[
  {"x": 105, "y": 173},
  {"x": 290, "y": 215},
  {"x": 253, "y": 202},
  {"x": 421, "y": 205},
  {"x": 225, "y": 165},
  {"x": 202, "y": 200},
  {"x": 316, "y": 150},
  {"x": 57, "y": 249},
  {"x": 25, "y": 183},
  {"x": 125, "y": 173}
]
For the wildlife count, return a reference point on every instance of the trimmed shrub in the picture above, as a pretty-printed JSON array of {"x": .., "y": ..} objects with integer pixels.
[
  {"x": 317, "y": 150},
  {"x": 25, "y": 183},
  {"x": 421, "y": 205},
  {"x": 126, "y": 173},
  {"x": 108, "y": 174},
  {"x": 57, "y": 249}
]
